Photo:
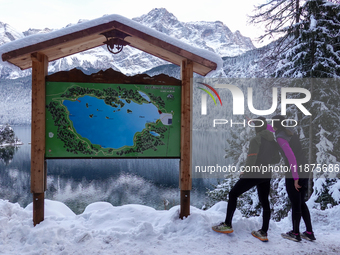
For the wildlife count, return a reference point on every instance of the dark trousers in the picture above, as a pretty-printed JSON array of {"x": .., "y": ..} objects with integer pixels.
[
  {"x": 243, "y": 185},
  {"x": 299, "y": 207}
]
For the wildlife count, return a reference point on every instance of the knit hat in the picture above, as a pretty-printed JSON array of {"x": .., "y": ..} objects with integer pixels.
[
  {"x": 277, "y": 121},
  {"x": 260, "y": 124}
]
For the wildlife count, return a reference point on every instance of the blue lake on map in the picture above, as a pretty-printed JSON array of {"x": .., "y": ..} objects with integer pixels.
[{"x": 108, "y": 126}]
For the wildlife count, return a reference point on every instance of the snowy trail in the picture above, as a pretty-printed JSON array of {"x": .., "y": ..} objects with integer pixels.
[{"x": 137, "y": 229}]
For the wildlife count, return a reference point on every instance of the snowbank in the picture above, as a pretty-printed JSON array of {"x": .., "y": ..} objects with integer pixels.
[{"x": 137, "y": 229}]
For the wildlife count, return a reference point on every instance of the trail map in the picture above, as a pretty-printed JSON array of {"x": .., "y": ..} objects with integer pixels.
[{"x": 90, "y": 120}]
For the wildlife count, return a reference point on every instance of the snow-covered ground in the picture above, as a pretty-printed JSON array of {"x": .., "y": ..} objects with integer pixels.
[{"x": 137, "y": 229}]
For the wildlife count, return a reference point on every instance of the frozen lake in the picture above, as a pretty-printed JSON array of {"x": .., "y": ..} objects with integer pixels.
[{"x": 77, "y": 183}]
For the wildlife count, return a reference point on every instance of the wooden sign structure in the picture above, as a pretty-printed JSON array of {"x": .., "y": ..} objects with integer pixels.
[
  {"x": 111, "y": 115},
  {"x": 84, "y": 36}
]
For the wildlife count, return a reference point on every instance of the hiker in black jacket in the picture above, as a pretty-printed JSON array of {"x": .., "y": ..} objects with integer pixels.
[{"x": 263, "y": 151}]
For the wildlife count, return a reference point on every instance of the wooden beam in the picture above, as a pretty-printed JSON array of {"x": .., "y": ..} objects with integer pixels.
[
  {"x": 184, "y": 54},
  {"x": 59, "y": 51},
  {"x": 38, "y": 185},
  {"x": 164, "y": 54},
  {"x": 58, "y": 41},
  {"x": 186, "y": 136}
]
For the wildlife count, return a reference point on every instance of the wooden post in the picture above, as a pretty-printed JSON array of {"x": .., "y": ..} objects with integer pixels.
[
  {"x": 38, "y": 185},
  {"x": 186, "y": 127}
]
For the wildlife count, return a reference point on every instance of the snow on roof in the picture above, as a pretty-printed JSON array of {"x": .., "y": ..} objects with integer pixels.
[{"x": 37, "y": 38}]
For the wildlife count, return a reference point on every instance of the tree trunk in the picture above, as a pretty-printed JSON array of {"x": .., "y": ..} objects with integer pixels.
[
  {"x": 297, "y": 17},
  {"x": 310, "y": 149}
]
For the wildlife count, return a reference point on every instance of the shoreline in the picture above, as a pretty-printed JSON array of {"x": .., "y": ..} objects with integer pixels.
[{"x": 11, "y": 144}]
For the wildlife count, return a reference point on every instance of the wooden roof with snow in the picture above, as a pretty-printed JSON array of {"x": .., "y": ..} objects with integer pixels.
[
  {"x": 87, "y": 35},
  {"x": 37, "y": 50}
]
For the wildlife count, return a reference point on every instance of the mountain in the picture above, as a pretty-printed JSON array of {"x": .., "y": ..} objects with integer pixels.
[
  {"x": 251, "y": 64},
  {"x": 8, "y": 33},
  {"x": 33, "y": 31},
  {"x": 213, "y": 36},
  {"x": 254, "y": 63},
  {"x": 15, "y": 101},
  {"x": 236, "y": 50}
]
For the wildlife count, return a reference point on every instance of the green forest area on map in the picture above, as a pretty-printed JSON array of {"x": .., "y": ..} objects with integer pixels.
[{"x": 89, "y": 120}]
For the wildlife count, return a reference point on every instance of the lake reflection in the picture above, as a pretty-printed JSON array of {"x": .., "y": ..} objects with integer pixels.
[{"x": 78, "y": 183}]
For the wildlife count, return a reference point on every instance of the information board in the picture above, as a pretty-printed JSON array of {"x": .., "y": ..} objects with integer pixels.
[{"x": 89, "y": 120}]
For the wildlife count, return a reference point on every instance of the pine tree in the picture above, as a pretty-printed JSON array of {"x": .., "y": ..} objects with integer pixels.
[
  {"x": 279, "y": 202},
  {"x": 308, "y": 47},
  {"x": 280, "y": 18},
  {"x": 238, "y": 145},
  {"x": 325, "y": 149},
  {"x": 6, "y": 134},
  {"x": 316, "y": 54},
  {"x": 327, "y": 184}
]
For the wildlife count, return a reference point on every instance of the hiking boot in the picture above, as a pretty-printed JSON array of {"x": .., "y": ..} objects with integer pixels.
[
  {"x": 223, "y": 228},
  {"x": 292, "y": 236},
  {"x": 260, "y": 234},
  {"x": 308, "y": 236}
]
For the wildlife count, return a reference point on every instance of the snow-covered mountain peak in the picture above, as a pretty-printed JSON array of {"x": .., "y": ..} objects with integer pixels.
[
  {"x": 8, "y": 33},
  {"x": 157, "y": 15},
  {"x": 212, "y": 36},
  {"x": 33, "y": 31}
]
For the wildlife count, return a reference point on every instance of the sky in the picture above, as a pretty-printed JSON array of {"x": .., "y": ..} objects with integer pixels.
[{"x": 55, "y": 14}]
